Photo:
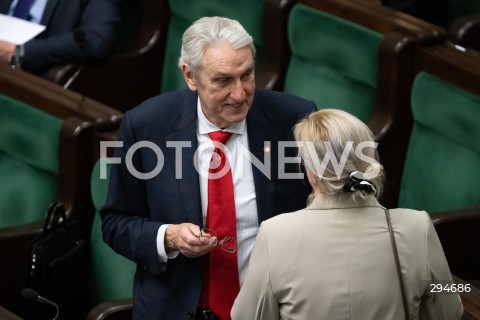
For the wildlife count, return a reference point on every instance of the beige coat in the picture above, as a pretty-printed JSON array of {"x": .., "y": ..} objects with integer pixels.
[{"x": 334, "y": 260}]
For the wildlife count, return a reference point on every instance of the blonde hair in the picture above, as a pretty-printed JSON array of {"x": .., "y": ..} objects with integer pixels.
[{"x": 332, "y": 145}]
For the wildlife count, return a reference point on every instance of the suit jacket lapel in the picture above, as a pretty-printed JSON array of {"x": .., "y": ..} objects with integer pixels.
[
  {"x": 184, "y": 129},
  {"x": 261, "y": 130}
]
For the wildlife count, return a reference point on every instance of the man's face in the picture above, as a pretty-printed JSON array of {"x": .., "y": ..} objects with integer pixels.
[{"x": 225, "y": 85}]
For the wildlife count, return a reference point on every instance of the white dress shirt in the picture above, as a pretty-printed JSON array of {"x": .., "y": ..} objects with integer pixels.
[{"x": 243, "y": 184}]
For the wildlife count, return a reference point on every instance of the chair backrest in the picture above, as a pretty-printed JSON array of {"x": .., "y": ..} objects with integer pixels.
[
  {"x": 29, "y": 166},
  {"x": 359, "y": 56},
  {"x": 443, "y": 158},
  {"x": 184, "y": 12},
  {"x": 345, "y": 53},
  {"x": 334, "y": 61},
  {"x": 111, "y": 275}
]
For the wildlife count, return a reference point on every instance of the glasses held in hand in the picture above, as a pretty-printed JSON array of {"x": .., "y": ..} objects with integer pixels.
[{"x": 228, "y": 244}]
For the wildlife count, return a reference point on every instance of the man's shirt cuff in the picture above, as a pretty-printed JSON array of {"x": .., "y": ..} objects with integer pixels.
[{"x": 163, "y": 256}]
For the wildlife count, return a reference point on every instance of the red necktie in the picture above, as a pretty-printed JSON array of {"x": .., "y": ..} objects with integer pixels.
[{"x": 223, "y": 281}]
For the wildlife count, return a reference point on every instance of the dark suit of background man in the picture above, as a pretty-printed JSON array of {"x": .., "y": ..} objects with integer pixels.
[
  {"x": 76, "y": 31},
  {"x": 155, "y": 222}
]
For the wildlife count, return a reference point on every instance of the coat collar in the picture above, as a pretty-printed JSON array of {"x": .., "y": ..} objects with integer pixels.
[{"x": 342, "y": 201}]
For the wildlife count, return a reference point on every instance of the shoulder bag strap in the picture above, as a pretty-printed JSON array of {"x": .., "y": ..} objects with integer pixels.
[{"x": 397, "y": 264}]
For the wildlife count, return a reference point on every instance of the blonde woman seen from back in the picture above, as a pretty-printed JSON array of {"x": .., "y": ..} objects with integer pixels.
[{"x": 335, "y": 259}]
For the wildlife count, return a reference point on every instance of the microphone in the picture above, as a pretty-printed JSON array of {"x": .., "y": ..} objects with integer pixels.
[
  {"x": 79, "y": 37},
  {"x": 31, "y": 295}
]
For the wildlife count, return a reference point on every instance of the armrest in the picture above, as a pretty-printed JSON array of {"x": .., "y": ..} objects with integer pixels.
[
  {"x": 464, "y": 216},
  {"x": 458, "y": 233},
  {"x": 465, "y": 32},
  {"x": 61, "y": 73},
  {"x": 470, "y": 300},
  {"x": 49, "y": 97},
  {"x": 112, "y": 310}
]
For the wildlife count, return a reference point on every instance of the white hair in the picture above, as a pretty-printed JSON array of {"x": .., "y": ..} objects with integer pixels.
[{"x": 206, "y": 32}]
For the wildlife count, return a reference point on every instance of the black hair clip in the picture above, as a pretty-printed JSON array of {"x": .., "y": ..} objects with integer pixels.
[{"x": 356, "y": 182}]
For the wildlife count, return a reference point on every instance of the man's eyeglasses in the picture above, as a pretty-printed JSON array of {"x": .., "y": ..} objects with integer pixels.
[{"x": 228, "y": 244}]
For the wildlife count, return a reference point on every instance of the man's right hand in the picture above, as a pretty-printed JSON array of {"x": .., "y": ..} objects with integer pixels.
[{"x": 184, "y": 238}]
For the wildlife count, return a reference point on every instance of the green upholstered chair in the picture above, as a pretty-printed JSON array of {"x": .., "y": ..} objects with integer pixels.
[
  {"x": 45, "y": 152},
  {"x": 111, "y": 275},
  {"x": 30, "y": 166},
  {"x": 29, "y": 148},
  {"x": 443, "y": 159},
  {"x": 334, "y": 61},
  {"x": 359, "y": 56}
]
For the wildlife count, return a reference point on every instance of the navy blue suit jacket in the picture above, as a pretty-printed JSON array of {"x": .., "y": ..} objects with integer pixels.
[
  {"x": 98, "y": 20},
  {"x": 136, "y": 208}
]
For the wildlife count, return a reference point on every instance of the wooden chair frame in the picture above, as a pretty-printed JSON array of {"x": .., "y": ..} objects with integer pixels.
[{"x": 465, "y": 32}]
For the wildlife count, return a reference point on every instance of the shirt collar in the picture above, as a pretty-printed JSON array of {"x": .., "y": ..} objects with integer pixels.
[{"x": 205, "y": 126}]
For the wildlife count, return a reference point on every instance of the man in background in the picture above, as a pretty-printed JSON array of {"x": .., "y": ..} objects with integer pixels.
[{"x": 76, "y": 31}]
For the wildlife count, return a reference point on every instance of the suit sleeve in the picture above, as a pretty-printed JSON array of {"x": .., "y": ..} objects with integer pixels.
[
  {"x": 126, "y": 224},
  {"x": 438, "y": 306},
  {"x": 256, "y": 299}
]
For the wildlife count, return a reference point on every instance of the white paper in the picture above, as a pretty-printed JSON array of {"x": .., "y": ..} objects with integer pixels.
[{"x": 18, "y": 31}]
